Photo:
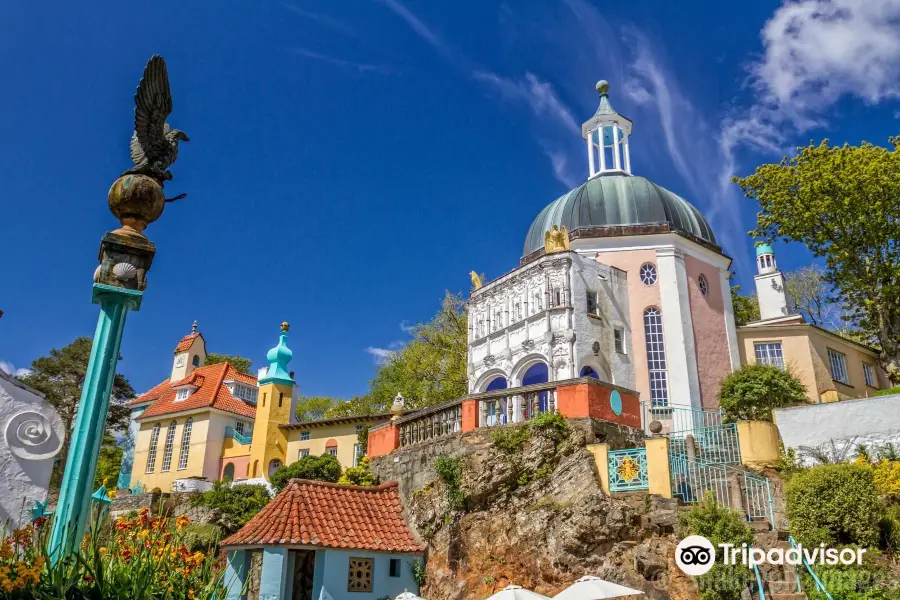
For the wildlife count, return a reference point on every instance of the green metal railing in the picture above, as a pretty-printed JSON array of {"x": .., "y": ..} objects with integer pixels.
[
  {"x": 679, "y": 421},
  {"x": 238, "y": 437},
  {"x": 692, "y": 480},
  {"x": 819, "y": 585},
  {"x": 759, "y": 583}
]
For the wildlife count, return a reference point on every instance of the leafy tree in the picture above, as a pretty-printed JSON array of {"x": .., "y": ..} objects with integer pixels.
[
  {"x": 751, "y": 392},
  {"x": 238, "y": 362},
  {"x": 746, "y": 308},
  {"x": 359, "y": 475},
  {"x": 60, "y": 377},
  {"x": 357, "y": 405},
  {"x": 108, "y": 463},
  {"x": 843, "y": 203},
  {"x": 238, "y": 503},
  {"x": 319, "y": 468},
  {"x": 432, "y": 367},
  {"x": 810, "y": 295},
  {"x": 314, "y": 408}
]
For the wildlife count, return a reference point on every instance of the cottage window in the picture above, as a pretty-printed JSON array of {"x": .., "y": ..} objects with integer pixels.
[
  {"x": 185, "y": 444},
  {"x": 769, "y": 353},
  {"x": 593, "y": 303},
  {"x": 304, "y": 452},
  {"x": 304, "y": 436},
  {"x": 332, "y": 451},
  {"x": 838, "y": 364},
  {"x": 167, "y": 450},
  {"x": 182, "y": 394},
  {"x": 359, "y": 576},
  {"x": 869, "y": 374},
  {"x": 619, "y": 340},
  {"x": 151, "y": 453},
  {"x": 394, "y": 567}
]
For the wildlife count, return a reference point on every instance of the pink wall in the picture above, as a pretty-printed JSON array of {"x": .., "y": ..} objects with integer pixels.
[
  {"x": 240, "y": 466},
  {"x": 640, "y": 297},
  {"x": 710, "y": 335}
]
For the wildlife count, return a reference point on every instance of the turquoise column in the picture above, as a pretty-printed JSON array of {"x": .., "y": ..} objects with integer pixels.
[
  {"x": 73, "y": 510},
  {"x": 236, "y": 572},
  {"x": 274, "y": 574}
]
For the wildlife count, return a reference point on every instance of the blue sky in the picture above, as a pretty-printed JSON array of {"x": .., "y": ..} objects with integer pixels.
[{"x": 349, "y": 161}]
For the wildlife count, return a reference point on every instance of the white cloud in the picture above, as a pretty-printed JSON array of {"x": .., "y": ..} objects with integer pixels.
[
  {"x": 10, "y": 369},
  {"x": 407, "y": 327},
  {"x": 538, "y": 95},
  {"x": 381, "y": 355},
  {"x": 329, "y": 22},
  {"x": 420, "y": 28},
  {"x": 361, "y": 67}
]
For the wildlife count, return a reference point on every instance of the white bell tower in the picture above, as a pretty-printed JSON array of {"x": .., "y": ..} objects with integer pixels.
[
  {"x": 607, "y": 135},
  {"x": 769, "y": 284}
]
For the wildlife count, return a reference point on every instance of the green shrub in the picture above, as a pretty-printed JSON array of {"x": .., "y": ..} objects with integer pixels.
[
  {"x": 890, "y": 530},
  {"x": 510, "y": 438},
  {"x": 318, "y": 468},
  {"x": 551, "y": 424},
  {"x": 887, "y": 392},
  {"x": 359, "y": 475},
  {"x": 751, "y": 392},
  {"x": 237, "y": 502},
  {"x": 834, "y": 504},
  {"x": 869, "y": 581},
  {"x": 719, "y": 526},
  {"x": 450, "y": 470}
]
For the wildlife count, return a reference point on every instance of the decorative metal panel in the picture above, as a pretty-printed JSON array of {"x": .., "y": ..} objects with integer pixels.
[
  {"x": 359, "y": 577},
  {"x": 628, "y": 470}
]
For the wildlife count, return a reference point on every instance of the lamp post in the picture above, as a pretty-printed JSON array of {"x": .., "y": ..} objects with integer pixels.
[{"x": 136, "y": 199}]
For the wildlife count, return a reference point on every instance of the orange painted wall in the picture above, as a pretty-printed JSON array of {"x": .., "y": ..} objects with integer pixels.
[
  {"x": 592, "y": 400},
  {"x": 710, "y": 335},
  {"x": 240, "y": 466},
  {"x": 469, "y": 415},
  {"x": 383, "y": 441}
]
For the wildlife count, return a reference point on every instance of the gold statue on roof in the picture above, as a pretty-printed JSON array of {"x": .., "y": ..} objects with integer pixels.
[
  {"x": 476, "y": 280},
  {"x": 556, "y": 240}
]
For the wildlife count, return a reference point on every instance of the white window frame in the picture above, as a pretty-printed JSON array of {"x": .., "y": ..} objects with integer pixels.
[
  {"x": 619, "y": 340},
  {"x": 303, "y": 452},
  {"x": 593, "y": 297},
  {"x": 332, "y": 451},
  {"x": 168, "y": 448},
  {"x": 703, "y": 285},
  {"x": 356, "y": 455},
  {"x": 837, "y": 365},
  {"x": 657, "y": 366},
  {"x": 304, "y": 436},
  {"x": 769, "y": 353},
  {"x": 869, "y": 375},
  {"x": 185, "y": 444},
  {"x": 182, "y": 394},
  {"x": 151, "y": 452},
  {"x": 239, "y": 427},
  {"x": 648, "y": 274}
]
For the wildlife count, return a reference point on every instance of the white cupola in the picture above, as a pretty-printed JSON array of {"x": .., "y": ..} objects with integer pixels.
[
  {"x": 769, "y": 284},
  {"x": 607, "y": 135}
]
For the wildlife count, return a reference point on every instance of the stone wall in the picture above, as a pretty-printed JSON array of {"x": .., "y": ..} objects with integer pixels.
[{"x": 870, "y": 421}]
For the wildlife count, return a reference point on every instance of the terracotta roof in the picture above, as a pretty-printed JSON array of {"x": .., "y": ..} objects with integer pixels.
[
  {"x": 314, "y": 513},
  {"x": 210, "y": 393},
  {"x": 186, "y": 342}
]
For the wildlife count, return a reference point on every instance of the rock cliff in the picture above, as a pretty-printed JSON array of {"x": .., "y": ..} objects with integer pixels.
[{"x": 531, "y": 511}]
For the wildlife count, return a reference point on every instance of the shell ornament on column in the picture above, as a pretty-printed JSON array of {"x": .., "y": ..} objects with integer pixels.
[{"x": 34, "y": 436}]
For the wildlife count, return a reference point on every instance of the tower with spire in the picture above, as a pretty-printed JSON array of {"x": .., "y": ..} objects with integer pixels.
[
  {"x": 607, "y": 134},
  {"x": 276, "y": 386},
  {"x": 769, "y": 284},
  {"x": 190, "y": 353}
]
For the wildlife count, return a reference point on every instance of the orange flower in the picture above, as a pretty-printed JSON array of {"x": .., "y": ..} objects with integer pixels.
[{"x": 181, "y": 521}]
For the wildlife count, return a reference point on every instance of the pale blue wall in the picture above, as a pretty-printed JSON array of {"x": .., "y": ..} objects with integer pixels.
[
  {"x": 330, "y": 578},
  {"x": 275, "y": 574},
  {"x": 236, "y": 574},
  {"x": 124, "y": 481}
]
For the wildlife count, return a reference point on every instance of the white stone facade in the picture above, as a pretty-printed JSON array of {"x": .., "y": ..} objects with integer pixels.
[{"x": 538, "y": 313}]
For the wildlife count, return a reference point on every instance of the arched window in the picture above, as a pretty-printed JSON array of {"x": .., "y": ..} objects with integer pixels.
[
  {"x": 648, "y": 274},
  {"x": 589, "y": 372},
  {"x": 537, "y": 373},
  {"x": 331, "y": 447},
  {"x": 196, "y": 360},
  {"x": 274, "y": 464},
  {"x": 186, "y": 445},
  {"x": 228, "y": 473},
  {"x": 656, "y": 357},
  {"x": 151, "y": 453},
  {"x": 703, "y": 284},
  {"x": 167, "y": 450},
  {"x": 498, "y": 383}
]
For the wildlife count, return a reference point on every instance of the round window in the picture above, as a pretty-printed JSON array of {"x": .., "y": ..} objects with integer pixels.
[
  {"x": 648, "y": 273},
  {"x": 703, "y": 284}
]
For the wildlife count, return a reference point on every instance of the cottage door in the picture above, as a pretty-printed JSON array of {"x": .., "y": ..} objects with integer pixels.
[
  {"x": 253, "y": 575},
  {"x": 304, "y": 564}
]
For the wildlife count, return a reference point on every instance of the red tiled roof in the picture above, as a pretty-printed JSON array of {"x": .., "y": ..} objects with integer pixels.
[
  {"x": 315, "y": 513},
  {"x": 210, "y": 393},
  {"x": 186, "y": 342}
]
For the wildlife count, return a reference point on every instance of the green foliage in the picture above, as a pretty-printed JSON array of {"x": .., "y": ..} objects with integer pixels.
[
  {"x": 843, "y": 204},
  {"x": 418, "y": 572},
  {"x": 362, "y": 438},
  {"x": 789, "y": 463},
  {"x": 746, "y": 308},
  {"x": 450, "y": 470},
  {"x": 109, "y": 462},
  {"x": 359, "y": 475},
  {"x": 60, "y": 376},
  {"x": 888, "y": 391},
  {"x": 238, "y": 362},
  {"x": 318, "y": 468},
  {"x": 510, "y": 438},
  {"x": 237, "y": 502},
  {"x": 834, "y": 504},
  {"x": 868, "y": 581},
  {"x": 551, "y": 424},
  {"x": 314, "y": 408},
  {"x": 889, "y": 528},
  {"x": 199, "y": 537},
  {"x": 719, "y": 526},
  {"x": 754, "y": 390}
]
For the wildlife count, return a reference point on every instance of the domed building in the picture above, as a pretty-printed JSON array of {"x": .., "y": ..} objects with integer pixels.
[{"x": 620, "y": 279}]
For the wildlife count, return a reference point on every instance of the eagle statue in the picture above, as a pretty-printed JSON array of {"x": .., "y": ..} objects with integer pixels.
[{"x": 154, "y": 145}]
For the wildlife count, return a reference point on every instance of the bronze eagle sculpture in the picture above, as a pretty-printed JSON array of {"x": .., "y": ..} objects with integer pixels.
[{"x": 154, "y": 145}]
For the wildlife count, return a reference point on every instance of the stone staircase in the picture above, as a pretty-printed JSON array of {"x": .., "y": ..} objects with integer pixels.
[{"x": 779, "y": 581}]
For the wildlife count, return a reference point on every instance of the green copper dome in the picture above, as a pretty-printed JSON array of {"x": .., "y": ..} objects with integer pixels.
[{"x": 616, "y": 201}]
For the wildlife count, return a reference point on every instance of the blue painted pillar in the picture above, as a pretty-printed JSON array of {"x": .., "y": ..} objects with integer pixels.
[
  {"x": 128, "y": 450},
  {"x": 72, "y": 516},
  {"x": 236, "y": 571},
  {"x": 273, "y": 579}
]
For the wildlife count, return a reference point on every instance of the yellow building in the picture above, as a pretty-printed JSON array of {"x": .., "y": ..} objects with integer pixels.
[{"x": 215, "y": 422}]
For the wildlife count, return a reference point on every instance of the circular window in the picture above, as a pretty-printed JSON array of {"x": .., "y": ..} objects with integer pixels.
[
  {"x": 648, "y": 273},
  {"x": 615, "y": 402},
  {"x": 703, "y": 284}
]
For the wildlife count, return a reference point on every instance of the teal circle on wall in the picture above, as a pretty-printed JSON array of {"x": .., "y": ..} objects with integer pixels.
[{"x": 615, "y": 402}]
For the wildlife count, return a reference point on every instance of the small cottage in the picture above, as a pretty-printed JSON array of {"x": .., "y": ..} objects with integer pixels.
[{"x": 318, "y": 541}]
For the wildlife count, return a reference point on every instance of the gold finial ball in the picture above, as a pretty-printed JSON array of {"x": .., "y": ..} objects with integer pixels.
[
  {"x": 136, "y": 200},
  {"x": 602, "y": 86},
  {"x": 285, "y": 326}
]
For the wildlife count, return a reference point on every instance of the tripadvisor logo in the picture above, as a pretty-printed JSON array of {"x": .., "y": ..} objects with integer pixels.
[{"x": 696, "y": 555}]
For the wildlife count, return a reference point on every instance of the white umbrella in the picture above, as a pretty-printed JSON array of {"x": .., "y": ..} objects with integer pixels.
[
  {"x": 406, "y": 595},
  {"x": 594, "y": 588},
  {"x": 517, "y": 592}
]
